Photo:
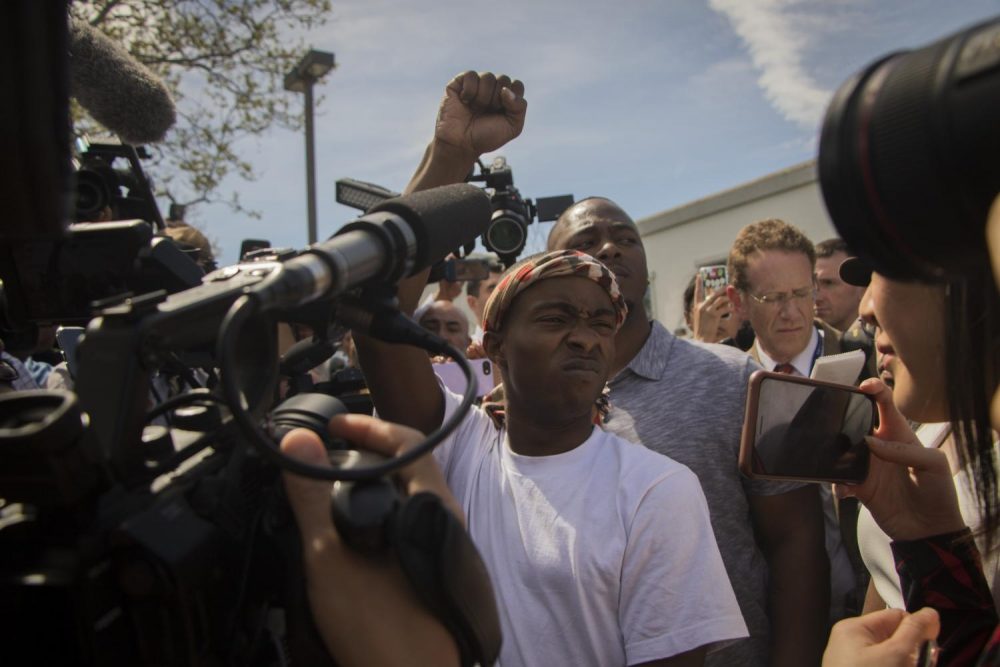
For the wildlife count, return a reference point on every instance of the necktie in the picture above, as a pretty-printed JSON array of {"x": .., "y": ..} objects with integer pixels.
[{"x": 787, "y": 369}]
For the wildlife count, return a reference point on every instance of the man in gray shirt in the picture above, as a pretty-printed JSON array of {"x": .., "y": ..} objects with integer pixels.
[{"x": 686, "y": 400}]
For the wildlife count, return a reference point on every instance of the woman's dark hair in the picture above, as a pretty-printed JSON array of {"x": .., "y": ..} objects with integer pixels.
[{"x": 972, "y": 335}]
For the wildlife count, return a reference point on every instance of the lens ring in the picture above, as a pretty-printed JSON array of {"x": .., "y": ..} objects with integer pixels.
[{"x": 506, "y": 234}]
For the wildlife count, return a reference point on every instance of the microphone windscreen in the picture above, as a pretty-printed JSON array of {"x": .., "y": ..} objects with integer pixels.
[
  {"x": 117, "y": 90},
  {"x": 443, "y": 219}
]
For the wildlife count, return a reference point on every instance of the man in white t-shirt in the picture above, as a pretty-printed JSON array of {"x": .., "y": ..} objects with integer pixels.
[{"x": 601, "y": 551}]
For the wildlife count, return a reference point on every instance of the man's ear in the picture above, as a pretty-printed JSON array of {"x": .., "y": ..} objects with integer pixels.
[
  {"x": 494, "y": 347},
  {"x": 472, "y": 301},
  {"x": 739, "y": 303}
]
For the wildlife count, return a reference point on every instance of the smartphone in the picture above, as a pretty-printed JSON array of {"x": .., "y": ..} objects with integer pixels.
[
  {"x": 464, "y": 270},
  {"x": 713, "y": 277},
  {"x": 803, "y": 429},
  {"x": 453, "y": 378}
]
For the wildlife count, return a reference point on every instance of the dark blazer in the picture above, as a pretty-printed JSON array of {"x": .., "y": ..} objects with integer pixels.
[{"x": 846, "y": 508}]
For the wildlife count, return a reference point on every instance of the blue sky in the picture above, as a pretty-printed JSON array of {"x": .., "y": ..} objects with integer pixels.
[{"x": 652, "y": 103}]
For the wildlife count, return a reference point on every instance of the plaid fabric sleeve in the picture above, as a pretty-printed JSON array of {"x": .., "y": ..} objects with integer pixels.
[{"x": 945, "y": 572}]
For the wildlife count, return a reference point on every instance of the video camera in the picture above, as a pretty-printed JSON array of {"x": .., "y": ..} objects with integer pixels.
[
  {"x": 512, "y": 213},
  {"x": 139, "y": 531},
  {"x": 156, "y": 533},
  {"x": 507, "y": 232},
  {"x": 109, "y": 177}
]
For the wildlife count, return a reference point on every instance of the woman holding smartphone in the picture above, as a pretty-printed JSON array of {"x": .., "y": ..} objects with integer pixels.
[
  {"x": 938, "y": 341},
  {"x": 908, "y": 170}
]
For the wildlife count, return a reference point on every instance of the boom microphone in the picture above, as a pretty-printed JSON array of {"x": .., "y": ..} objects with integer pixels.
[
  {"x": 397, "y": 238},
  {"x": 117, "y": 90}
]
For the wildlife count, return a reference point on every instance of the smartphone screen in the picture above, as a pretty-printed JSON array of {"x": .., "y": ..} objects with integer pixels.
[
  {"x": 713, "y": 277},
  {"x": 798, "y": 428}
]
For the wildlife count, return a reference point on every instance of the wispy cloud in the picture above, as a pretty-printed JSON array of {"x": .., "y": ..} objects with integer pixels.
[{"x": 777, "y": 44}]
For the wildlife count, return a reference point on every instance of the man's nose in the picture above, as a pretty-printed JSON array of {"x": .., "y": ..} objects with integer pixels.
[
  {"x": 583, "y": 336},
  {"x": 608, "y": 249}
]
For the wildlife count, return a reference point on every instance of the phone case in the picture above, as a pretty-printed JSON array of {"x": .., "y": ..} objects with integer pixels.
[
  {"x": 713, "y": 277},
  {"x": 748, "y": 440}
]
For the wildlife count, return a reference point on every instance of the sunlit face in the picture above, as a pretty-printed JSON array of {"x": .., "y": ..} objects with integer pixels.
[
  {"x": 910, "y": 344},
  {"x": 836, "y": 301},
  {"x": 477, "y": 302},
  {"x": 555, "y": 348},
  {"x": 601, "y": 229},
  {"x": 448, "y": 322},
  {"x": 779, "y": 302}
]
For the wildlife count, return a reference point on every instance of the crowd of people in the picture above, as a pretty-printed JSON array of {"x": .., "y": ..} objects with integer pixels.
[{"x": 599, "y": 477}]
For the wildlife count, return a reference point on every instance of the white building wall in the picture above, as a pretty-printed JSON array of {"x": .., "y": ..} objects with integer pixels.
[{"x": 681, "y": 239}]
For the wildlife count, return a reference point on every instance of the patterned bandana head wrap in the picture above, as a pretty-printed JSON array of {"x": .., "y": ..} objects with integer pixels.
[{"x": 556, "y": 264}]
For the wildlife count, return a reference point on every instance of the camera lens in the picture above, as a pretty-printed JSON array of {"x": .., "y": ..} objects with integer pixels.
[
  {"x": 506, "y": 234},
  {"x": 907, "y": 158},
  {"x": 92, "y": 194}
]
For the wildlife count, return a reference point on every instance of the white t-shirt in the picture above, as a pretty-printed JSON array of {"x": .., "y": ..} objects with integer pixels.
[{"x": 602, "y": 555}]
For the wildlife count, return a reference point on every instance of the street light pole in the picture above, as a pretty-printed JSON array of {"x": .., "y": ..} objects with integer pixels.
[
  {"x": 313, "y": 66},
  {"x": 310, "y": 165}
]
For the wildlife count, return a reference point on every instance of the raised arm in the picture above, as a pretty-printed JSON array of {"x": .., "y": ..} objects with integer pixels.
[{"x": 480, "y": 112}]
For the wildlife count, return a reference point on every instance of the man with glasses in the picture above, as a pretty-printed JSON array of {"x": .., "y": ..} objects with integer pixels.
[{"x": 773, "y": 285}]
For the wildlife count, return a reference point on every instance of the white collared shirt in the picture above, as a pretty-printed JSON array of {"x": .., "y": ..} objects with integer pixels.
[{"x": 802, "y": 362}]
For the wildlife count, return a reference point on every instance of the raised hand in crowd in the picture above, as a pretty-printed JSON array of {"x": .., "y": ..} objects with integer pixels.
[
  {"x": 710, "y": 314},
  {"x": 366, "y": 611},
  {"x": 886, "y": 638},
  {"x": 480, "y": 112},
  {"x": 448, "y": 290},
  {"x": 475, "y": 351}
]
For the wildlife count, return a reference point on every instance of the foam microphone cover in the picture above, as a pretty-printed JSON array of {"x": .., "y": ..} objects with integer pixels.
[
  {"x": 442, "y": 219},
  {"x": 117, "y": 90}
]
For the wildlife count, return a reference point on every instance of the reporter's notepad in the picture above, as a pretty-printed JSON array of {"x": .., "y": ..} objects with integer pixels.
[{"x": 842, "y": 368}]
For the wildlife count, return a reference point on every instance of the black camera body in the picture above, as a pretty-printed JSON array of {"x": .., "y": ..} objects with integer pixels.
[
  {"x": 197, "y": 564},
  {"x": 110, "y": 177},
  {"x": 60, "y": 281},
  {"x": 507, "y": 233}
]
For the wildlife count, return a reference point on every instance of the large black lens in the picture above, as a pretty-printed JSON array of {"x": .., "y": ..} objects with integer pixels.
[
  {"x": 92, "y": 195},
  {"x": 506, "y": 234},
  {"x": 907, "y": 157}
]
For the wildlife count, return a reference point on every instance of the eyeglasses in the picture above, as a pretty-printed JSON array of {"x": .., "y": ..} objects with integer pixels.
[{"x": 777, "y": 300}]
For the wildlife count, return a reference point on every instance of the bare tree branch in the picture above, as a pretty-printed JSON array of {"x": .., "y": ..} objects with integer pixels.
[{"x": 224, "y": 61}]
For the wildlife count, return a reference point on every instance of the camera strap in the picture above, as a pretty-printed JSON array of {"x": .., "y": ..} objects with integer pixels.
[{"x": 442, "y": 564}]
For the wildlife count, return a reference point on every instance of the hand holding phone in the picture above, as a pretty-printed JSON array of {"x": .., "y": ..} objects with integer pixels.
[
  {"x": 803, "y": 429},
  {"x": 910, "y": 489},
  {"x": 711, "y": 309}
]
